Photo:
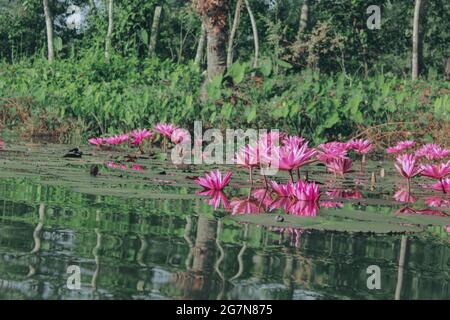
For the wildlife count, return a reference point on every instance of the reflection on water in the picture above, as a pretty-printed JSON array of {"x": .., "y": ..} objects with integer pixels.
[{"x": 181, "y": 249}]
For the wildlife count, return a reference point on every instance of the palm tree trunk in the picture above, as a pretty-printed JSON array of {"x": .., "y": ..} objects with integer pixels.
[
  {"x": 304, "y": 14},
  {"x": 110, "y": 30},
  {"x": 417, "y": 52},
  {"x": 201, "y": 45},
  {"x": 236, "y": 19},
  {"x": 255, "y": 33},
  {"x": 214, "y": 17},
  {"x": 154, "y": 31},
  {"x": 49, "y": 27}
]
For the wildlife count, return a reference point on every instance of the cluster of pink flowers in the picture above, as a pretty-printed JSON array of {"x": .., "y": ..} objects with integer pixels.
[
  {"x": 115, "y": 165},
  {"x": 432, "y": 151},
  {"x": 138, "y": 136},
  {"x": 401, "y": 146},
  {"x": 165, "y": 129},
  {"x": 407, "y": 164},
  {"x": 113, "y": 140}
]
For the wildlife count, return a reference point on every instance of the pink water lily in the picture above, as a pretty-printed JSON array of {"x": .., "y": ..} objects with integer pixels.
[
  {"x": 436, "y": 171},
  {"x": 137, "y": 167},
  {"x": 290, "y": 158},
  {"x": 443, "y": 185},
  {"x": 293, "y": 141},
  {"x": 345, "y": 194},
  {"x": 406, "y": 166},
  {"x": 361, "y": 146},
  {"x": 214, "y": 180},
  {"x": 339, "y": 165},
  {"x": 303, "y": 208},
  {"x": 437, "y": 202},
  {"x": 165, "y": 129},
  {"x": 432, "y": 151},
  {"x": 263, "y": 196},
  {"x": 113, "y": 165},
  {"x": 180, "y": 135},
  {"x": 97, "y": 141},
  {"x": 139, "y": 136},
  {"x": 282, "y": 190},
  {"x": 249, "y": 158},
  {"x": 305, "y": 191},
  {"x": 332, "y": 204},
  {"x": 245, "y": 206},
  {"x": 401, "y": 146},
  {"x": 2, "y": 144},
  {"x": 216, "y": 198},
  {"x": 403, "y": 195},
  {"x": 117, "y": 139},
  {"x": 331, "y": 150}
]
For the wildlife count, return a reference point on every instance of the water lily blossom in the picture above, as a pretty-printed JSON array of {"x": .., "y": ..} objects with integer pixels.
[
  {"x": 117, "y": 139},
  {"x": 432, "y": 151},
  {"x": 180, "y": 135},
  {"x": 165, "y": 129},
  {"x": 216, "y": 198},
  {"x": 443, "y": 185},
  {"x": 361, "y": 146},
  {"x": 139, "y": 135},
  {"x": 306, "y": 191},
  {"x": 97, "y": 141},
  {"x": 331, "y": 150},
  {"x": 214, "y": 180},
  {"x": 436, "y": 171},
  {"x": 290, "y": 158},
  {"x": 339, "y": 165},
  {"x": 401, "y": 146},
  {"x": 406, "y": 166}
]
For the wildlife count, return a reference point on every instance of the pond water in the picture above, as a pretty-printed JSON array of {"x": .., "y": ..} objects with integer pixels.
[{"x": 146, "y": 234}]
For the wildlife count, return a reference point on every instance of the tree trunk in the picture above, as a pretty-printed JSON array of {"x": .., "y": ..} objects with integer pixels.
[
  {"x": 201, "y": 45},
  {"x": 401, "y": 266},
  {"x": 49, "y": 26},
  {"x": 214, "y": 16},
  {"x": 154, "y": 31},
  {"x": 447, "y": 69},
  {"x": 304, "y": 14},
  {"x": 417, "y": 52},
  {"x": 236, "y": 19},
  {"x": 255, "y": 33},
  {"x": 110, "y": 30}
]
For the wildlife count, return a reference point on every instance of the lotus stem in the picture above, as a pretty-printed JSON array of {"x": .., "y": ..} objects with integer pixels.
[
  {"x": 442, "y": 185},
  {"x": 265, "y": 182},
  {"x": 298, "y": 174},
  {"x": 250, "y": 172},
  {"x": 292, "y": 177}
]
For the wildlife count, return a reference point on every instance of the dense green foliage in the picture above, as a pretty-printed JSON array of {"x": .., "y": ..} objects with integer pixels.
[{"x": 337, "y": 78}]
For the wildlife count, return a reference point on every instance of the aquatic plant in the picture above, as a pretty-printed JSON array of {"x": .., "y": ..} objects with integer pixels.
[
  {"x": 180, "y": 135},
  {"x": 360, "y": 146},
  {"x": 401, "y": 146},
  {"x": 290, "y": 158},
  {"x": 97, "y": 141},
  {"x": 437, "y": 171},
  {"x": 214, "y": 180},
  {"x": 139, "y": 135},
  {"x": 305, "y": 191},
  {"x": 117, "y": 139},
  {"x": 406, "y": 166},
  {"x": 432, "y": 151},
  {"x": 339, "y": 166}
]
